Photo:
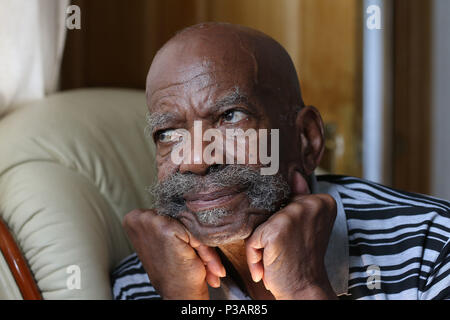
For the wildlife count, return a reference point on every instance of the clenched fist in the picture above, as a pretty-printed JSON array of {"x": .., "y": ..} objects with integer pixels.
[
  {"x": 287, "y": 251},
  {"x": 178, "y": 265}
]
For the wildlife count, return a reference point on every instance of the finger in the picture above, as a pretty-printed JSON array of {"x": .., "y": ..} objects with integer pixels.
[
  {"x": 208, "y": 255},
  {"x": 211, "y": 259},
  {"x": 255, "y": 263},
  {"x": 254, "y": 253},
  {"x": 212, "y": 279},
  {"x": 256, "y": 271}
]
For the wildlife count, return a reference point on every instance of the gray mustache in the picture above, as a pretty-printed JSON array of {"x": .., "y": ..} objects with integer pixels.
[{"x": 266, "y": 192}]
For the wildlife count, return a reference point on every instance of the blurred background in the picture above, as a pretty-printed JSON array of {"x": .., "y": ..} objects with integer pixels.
[{"x": 383, "y": 92}]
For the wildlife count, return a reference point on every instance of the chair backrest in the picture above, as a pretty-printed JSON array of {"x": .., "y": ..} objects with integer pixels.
[{"x": 71, "y": 166}]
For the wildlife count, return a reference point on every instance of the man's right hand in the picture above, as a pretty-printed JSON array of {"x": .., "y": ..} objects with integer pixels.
[{"x": 178, "y": 265}]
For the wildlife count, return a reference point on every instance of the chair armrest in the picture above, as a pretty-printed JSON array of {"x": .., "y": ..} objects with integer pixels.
[{"x": 17, "y": 265}]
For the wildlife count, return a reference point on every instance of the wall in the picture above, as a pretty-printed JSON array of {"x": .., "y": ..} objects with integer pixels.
[{"x": 440, "y": 177}]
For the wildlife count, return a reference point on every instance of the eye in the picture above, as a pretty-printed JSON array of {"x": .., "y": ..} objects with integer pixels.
[
  {"x": 233, "y": 116},
  {"x": 167, "y": 136}
]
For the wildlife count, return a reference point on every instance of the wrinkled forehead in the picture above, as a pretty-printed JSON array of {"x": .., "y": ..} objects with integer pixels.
[{"x": 188, "y": 67}]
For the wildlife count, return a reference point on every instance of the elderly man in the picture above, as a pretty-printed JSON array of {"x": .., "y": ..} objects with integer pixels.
[{"x": 224, "y": 230}]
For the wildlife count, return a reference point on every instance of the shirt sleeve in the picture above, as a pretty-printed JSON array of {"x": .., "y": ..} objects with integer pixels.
[
  {"x": 130, "y": 281},
  {"x": 438, "y": 283}
]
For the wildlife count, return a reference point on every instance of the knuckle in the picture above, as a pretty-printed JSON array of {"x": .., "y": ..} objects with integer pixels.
[
  {"x": 315, "y": 203},
  {"x": 325, "y": 198},
  {"x": 273, "y": 236},
  {"x": 136, "y": 218},
  {"x": 311, "y": 205},
  {"x": 294, "y": 207},
  {"x": 327, "y": 202},
  {"x": 131, "y": 218},
  {"x": 282, "y": 222},
  {"x": 168, "y": 228}
]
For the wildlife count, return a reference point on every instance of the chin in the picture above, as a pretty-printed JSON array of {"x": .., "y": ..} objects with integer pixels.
[
  {"x": 217, "y": 240},
  {"x": 234, "y": 227}
]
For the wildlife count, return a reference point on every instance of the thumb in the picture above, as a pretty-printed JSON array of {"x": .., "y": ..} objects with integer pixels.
[{"x": 299, "y": 185}]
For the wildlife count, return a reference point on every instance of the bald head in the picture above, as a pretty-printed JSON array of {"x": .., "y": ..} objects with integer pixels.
[{"x": 224, "y": 54}]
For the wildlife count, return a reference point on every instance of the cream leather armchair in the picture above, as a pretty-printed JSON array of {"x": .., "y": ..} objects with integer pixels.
[{"x": 71, "y": 166}]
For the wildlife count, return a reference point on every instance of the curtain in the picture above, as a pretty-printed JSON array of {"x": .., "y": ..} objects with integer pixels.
[{"x": 32, "y": 34}]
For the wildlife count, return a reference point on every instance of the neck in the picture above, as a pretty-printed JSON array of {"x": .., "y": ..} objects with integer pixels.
[{"x": 234, "y": 253}]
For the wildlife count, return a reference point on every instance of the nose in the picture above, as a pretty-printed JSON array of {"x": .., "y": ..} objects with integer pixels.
[
  {"x": 202, "y": 168},
  {"x": 196, "y": 168},
  {"x": 194, "y": 160}
]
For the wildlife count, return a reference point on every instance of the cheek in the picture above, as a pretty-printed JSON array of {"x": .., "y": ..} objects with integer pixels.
[
  {"x": 242, "y": 149},
  {"x": 165, "y": 167},
  {"x": 243, "y": 145}
]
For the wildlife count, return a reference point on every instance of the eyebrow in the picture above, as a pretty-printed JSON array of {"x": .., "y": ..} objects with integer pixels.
[
  {"x": 158, "y": 119},
  {"x": 235, "y": 97}
]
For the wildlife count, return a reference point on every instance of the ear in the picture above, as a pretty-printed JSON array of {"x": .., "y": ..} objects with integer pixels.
[{"x": 310, "y": 133}]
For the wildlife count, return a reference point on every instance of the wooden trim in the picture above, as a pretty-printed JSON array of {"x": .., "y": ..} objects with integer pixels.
[{"x": 18, "y": 265}]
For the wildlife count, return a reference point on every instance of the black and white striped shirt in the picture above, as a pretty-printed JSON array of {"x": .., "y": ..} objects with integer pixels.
[{"x": 386, "y": 244}]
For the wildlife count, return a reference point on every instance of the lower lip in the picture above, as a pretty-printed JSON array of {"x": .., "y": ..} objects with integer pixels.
[{"x": 202, "y": 205}]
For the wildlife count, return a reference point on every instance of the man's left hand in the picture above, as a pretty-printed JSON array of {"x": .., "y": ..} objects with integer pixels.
[{"x": 287, "y": 251}]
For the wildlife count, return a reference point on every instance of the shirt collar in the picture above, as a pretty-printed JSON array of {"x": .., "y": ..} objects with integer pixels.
[{"x": 337, "y": 255}]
